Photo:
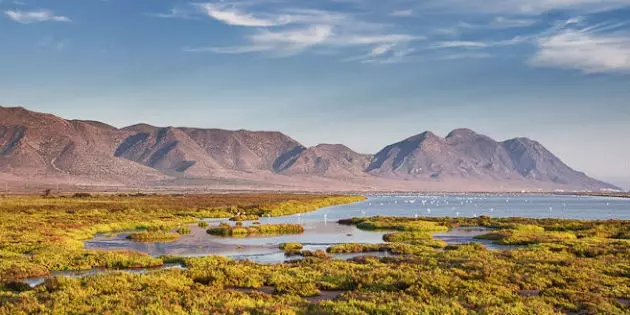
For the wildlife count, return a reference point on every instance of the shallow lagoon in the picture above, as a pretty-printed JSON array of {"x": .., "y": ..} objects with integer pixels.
[{"x": 322, "y": 231}]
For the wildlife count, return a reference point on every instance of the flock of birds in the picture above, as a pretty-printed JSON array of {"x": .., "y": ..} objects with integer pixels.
[{"x": 472, "y": 205}]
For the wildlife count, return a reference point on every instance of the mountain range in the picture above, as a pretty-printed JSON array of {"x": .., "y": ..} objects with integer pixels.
[{"x": 38, "y": 149}]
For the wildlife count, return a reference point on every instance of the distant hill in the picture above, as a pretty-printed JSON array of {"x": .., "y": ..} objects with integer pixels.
[{"x": 40, "y": 149}]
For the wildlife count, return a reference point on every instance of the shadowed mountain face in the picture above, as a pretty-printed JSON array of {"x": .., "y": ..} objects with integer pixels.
[
  {"x": 45, "y": 147},
  {"x": 243, "y": 150},
  {"x": 468, "y": 155},
  {"x": 329, "y": 160}
]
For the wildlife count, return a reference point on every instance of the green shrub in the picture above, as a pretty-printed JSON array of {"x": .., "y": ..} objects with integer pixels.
[{"x": 291, "y": 246}]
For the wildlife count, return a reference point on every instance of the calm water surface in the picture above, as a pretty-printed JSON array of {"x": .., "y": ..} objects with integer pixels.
[{"x": 321, "y": 229}]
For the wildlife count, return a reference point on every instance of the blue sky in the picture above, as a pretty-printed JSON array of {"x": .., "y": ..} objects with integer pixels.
[{"x": 365, "y": 73}]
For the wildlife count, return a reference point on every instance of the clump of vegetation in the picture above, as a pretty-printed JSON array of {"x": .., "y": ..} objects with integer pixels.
[
  {"x": 251, "y": 217},
  {"x": 183, "y": 230},
  {"x": 406, "y": 236},
  {"x": 316, "y": 254},
  {"x": 203, "y": 224},
  {"x": 154, "y": 236},
  {"x": 291, "y": 246},
  {"x": 526, "y": 235},
  {"x": 394, "y": 223},
  {"x": 415, "y": 238},
  {"x": 82, "y": 195},
  {"x": 266, "y": 229},
  {"x": 356, "y": 248}
]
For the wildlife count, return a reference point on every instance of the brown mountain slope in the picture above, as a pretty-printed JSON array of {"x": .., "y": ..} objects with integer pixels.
[
  {"x": 35, "y": 144},
  {"x": 533, "y": 161},
  {"x": 329, "y": 160},
  {"x": 243, "y": 150},
  {"x": 423, "y": 156},
  {"x": 166, "y": 149},
  {"x": 464, "y": 154},
  {"x": 43, "y": 148}
]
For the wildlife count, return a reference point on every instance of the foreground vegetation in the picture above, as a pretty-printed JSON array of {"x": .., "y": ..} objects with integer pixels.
[
  {"x": 39, "y": 235},
  {"x": 564, "y": 266}
]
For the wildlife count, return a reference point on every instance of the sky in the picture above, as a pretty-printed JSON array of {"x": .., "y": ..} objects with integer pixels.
[{"x": 365, "y": 73}]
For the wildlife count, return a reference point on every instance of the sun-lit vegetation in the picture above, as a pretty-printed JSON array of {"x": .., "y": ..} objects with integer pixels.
[
  {"x": 251, "y": 217},
  {"x": 153, "y": 236},
  {"x": 183, "y": 230},
  {"x": 262, "y": 229},
  {"x": 39, "y": 235},
  {"x": 393, "y": 223},
  {"x": 563, "y": 266},
  {"x": 291, "y": 246}
]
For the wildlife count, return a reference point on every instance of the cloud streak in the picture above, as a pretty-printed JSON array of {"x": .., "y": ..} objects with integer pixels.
[
  {"x": 527, "y": 7},
  {"x": 233, "y": 16},
  {"x": 584, "y": 50},
  {"x": 289, "y": 31},
  {"x": 28, "y": 17}
]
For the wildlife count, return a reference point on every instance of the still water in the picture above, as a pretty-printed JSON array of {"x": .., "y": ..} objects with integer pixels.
[{"x": 322, "y": 231}]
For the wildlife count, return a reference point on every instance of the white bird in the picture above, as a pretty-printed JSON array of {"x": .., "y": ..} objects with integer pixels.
[{"x": 428, "y": 210}]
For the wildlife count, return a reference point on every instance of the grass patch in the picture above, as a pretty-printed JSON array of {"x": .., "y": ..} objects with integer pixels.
[
  {"x": 263, "y": 229},
  {"x": 154, "y": 236},
  {"x": 291, "y": 246}
]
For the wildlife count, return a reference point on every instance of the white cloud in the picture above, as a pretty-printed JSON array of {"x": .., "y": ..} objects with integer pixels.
[
  {"x": 27, "y": 17},
  {"x": 503, "y": 22},
  {"x": 587, "y": 51},
  {"x": 460, "y": 44},
  {"x": 530, "y": 7},
  {"x": 233, "y": 16},
  {"x": 288, "y": 31},
  {"x": 381, "y": 50},
  {"x": 282, "y": 42}
]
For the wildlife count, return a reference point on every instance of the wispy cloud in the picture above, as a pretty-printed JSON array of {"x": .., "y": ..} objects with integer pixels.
[
  {"x": 585, "y": 50},
  {"x": 231, "y": 15},
  {"x": 503, "y": 22},
  {"x": 289, "y": 31},
  {"x": 27, "y": 17},
  {"x": 528, "y": 7},
  {"x": 572, "y": 44},
  {"x": 284, "y": 42},
  {"x": 465, "y": 55}
]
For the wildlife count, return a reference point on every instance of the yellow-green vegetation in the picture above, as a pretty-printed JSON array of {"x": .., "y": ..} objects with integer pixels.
[
  {"x": 43, "y": 234},
  {"x": 415, "y": 238},
  {"x": 153, "y": 236},
  {"x": 394, "y": 223},
  {"x": 262, "y": 229},
  {"x": 183, "y": 230},
  {"x": 203, "y": 224},
  {"x": 586, "y": 273},
  {"x": 527, "y": 234},
  {"x": 547, "y": 278},
  {"x": 356, "y": 248},
  {"x": 251, "y": 217},
  {"x": 291, "y": 246}
]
